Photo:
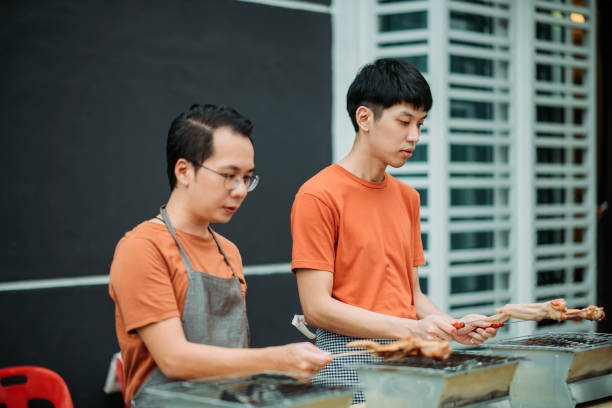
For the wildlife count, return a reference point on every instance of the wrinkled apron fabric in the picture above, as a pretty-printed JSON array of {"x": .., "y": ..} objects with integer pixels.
[
  {"x": 337, "y": 373},
  {"x": 214, "y": 314}
]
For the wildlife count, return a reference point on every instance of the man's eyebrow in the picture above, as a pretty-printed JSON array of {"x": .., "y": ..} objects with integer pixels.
[
  {"x": 408, "y": 113},
  {"x": 235, "y": 168}
]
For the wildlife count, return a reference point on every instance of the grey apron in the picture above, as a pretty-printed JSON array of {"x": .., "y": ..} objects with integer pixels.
[{"x": 214, "y": 314}]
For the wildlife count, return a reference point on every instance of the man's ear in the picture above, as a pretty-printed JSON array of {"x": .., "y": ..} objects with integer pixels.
[
  {"x": 364, "y": 117},
  {"x": 183, "y": 171}
]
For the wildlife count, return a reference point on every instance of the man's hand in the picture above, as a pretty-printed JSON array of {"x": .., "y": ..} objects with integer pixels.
[
  {"x": 476, "y": 331},
  {"x": 299, "y": 358},
  {"x": 436, "y": 327}
]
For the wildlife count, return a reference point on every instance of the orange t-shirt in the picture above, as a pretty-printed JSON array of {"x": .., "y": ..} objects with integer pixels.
[
  {"x": 148, "y": 282},
  {"x": 367, "y": 234}
]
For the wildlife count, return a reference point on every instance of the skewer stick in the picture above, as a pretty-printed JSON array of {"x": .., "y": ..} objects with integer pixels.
[
  {"x": 352, "y": 353},
  {"x": 498, "y": 318}
]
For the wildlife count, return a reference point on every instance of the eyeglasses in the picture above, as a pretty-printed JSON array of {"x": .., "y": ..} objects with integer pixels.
[{"x": 233, "y": 181}]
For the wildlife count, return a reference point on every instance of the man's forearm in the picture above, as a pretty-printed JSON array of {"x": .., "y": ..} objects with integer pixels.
[
  {"x": 200, "y": 361},
  {"x": 338, "y": 317},
  {"x": 179, "y": 358},
  {"x": 424, "y": 306}
]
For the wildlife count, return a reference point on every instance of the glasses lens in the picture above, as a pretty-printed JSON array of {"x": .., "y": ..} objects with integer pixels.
[
  {"x": 254, "y": 182},
  {"x": 232, "y": 183}
]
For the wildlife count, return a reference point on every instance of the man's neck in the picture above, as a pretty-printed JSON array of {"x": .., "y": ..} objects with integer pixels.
[
  {"x": 182, "y": 219},
  {"x": 363, "y": 164}
]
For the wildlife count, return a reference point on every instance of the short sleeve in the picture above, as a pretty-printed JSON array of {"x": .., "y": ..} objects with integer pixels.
[
  {"x": 418, "y": 257},
  {"x": 314, "y": 232},
  {"x": 140, "y": 284}
]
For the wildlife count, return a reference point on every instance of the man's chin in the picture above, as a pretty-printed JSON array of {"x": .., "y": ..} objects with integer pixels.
[
  {"x": 397, "y": 164},
  {"x": 222, "y": 219}
]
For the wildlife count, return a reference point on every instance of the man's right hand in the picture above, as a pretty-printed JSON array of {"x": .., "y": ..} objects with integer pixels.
[
  {"x": 299, "y": 358},
  {"x": 435, "y": 327}
]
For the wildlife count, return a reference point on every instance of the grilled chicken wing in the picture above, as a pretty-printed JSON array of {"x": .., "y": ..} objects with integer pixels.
[{"x": 408, "y": 346}]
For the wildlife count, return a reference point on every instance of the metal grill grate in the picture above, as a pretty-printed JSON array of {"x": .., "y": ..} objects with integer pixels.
[
  {"x": 455, "y": 363},
  {"x": 561, "y": 340},
  {"x": 264, "y": 389}
]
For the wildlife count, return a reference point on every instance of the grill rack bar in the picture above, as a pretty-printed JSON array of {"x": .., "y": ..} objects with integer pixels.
[
  {"x": 557, "y": 341},
  {"x": 457, "y": 362}
]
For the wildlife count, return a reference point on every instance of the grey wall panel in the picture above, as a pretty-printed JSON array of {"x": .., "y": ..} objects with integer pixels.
[{"x": 90, "y": 89}]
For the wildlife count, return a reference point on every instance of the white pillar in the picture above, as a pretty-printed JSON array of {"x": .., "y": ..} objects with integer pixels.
[
  {"x": 353, "y": 29},
  {"x": 523, "y": 157},
  {"x": 437, "y": 123}
]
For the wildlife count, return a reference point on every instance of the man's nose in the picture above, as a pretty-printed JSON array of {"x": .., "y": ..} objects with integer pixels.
[
  {"x": 413, "y": 135},
  {"x": 240, "y": 189}
]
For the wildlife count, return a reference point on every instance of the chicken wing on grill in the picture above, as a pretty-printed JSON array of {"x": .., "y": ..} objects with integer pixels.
[{"x": 408, "y": 346}]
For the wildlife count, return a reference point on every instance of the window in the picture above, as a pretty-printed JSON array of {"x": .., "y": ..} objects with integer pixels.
[
  {"x": 471, "y": 109},
  {"x": 475, "y": 283},
  {"x": 550, "y": 73},
  {"x": 550, "y": 114},
  {"x": 471, "y": 22},
  {"x": 420, "y": 153},
  {"x": 471, "y": 153},
  {"x": 471, "y": 196},
  {"x": 425, "y": 241},
  {"x": 551, "y": 237},
  {"x": 550, "y": 196},
  {"x": 550, "y": 32},
  {"x": 402, "y": 21},
  {"x": 471, "y": 66},
  {"x": 423, "y": 194},
  {"x": 550, "y": 155},
  {"x": 419, "y": 61},
  {"x": 551, "y": 277},
  {"x": 472, "y": 240}
]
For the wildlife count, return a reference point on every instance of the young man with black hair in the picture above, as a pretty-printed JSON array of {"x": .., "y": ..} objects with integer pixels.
[
  {"x": 178, "y": 286},
  {"x": 356, "y": 229}
]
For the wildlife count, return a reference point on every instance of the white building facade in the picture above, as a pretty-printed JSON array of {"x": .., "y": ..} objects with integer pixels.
[{"x": 506, "y": 162}]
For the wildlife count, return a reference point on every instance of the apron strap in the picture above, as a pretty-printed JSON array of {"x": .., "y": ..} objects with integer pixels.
[
  {"x": 222, "y": 252},
  {"x": 166, "y": 218}
]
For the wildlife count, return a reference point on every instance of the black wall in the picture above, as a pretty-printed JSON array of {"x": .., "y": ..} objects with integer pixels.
[
  {"x": 89, "y": 89},
  {"x": 604, "y": 162}
]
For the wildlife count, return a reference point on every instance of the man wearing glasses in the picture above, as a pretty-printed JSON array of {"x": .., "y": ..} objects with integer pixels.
[{"x": 178, "y": 286}]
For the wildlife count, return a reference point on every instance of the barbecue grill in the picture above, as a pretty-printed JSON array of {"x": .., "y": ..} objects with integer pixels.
[
  {"x": 559, "y": 370},
  {"x": 463, "y": 380},
  {"x": 265, "y": 390}
]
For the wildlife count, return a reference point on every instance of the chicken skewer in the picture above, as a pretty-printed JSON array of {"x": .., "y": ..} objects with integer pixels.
[
  {"x": 408, "y": 346},
  {"x": 554, "y": 309},
  {"x": 414, "y": 346}
]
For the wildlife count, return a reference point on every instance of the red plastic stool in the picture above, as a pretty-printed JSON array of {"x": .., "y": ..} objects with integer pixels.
[
  {"x": 20, "y": 384},
  {"x": 120, "y": 375}
]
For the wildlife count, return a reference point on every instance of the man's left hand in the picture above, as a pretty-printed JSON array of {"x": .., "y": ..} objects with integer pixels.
[{"x": 476, "y": 330}]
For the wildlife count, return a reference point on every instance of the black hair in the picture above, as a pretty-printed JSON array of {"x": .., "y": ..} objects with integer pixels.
[
  {"x": 384, "y": 83},
  {"x": 190, "y": 134}
]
